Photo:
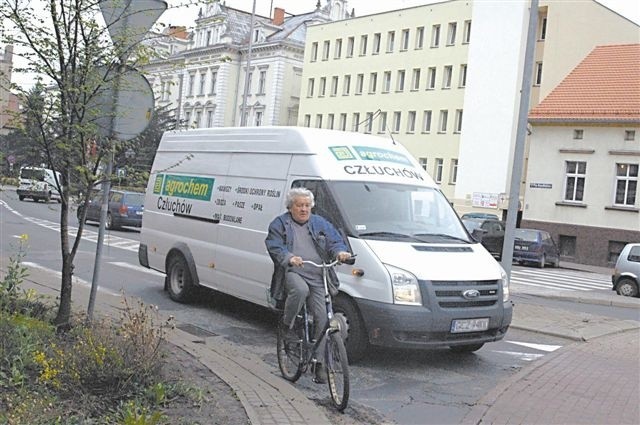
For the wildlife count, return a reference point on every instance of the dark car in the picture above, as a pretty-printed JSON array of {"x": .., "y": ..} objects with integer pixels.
[
  {"x": 479, "y": 215},
  {"x": 125, "y": 209},
  {"x": 536, "y": 247},
  {"x": 489, "y": 232}
]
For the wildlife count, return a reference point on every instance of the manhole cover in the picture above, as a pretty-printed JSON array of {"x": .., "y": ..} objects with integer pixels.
[{"x": 195, "y": 330}]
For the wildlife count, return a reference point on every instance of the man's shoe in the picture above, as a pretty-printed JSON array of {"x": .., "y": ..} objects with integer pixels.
[
  {"x": 289, "y": 333},
  {"x": 321, "y": 374}
]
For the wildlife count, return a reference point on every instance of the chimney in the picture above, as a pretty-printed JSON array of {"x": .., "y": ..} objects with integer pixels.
[{"x": 278, "y": 16}]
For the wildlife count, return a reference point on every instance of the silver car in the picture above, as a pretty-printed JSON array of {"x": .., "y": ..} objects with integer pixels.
[{"x": 626, "y": 275}]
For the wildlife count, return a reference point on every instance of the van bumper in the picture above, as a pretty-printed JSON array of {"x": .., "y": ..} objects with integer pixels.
[{"x": 401, "y": 326}]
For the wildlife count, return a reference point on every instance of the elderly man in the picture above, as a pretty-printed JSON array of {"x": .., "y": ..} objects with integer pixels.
[{"x": 294, "y": 236}]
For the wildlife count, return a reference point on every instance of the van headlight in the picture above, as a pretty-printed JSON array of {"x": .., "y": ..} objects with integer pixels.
[
  {"x": 505, "y": 285},
  {"x": 405, "y": 286}
]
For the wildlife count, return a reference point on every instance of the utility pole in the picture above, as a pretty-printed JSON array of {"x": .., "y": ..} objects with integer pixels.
[
  {"x": 243, "y": 116},
  {"x": 521, "y": 135}
]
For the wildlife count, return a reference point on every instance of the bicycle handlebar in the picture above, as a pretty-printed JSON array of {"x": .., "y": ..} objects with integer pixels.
[{"x": 331, "y": 264}]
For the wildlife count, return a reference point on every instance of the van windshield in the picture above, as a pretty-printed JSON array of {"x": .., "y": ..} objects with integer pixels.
[
  {"x": 32, "y": 174},
  {"x": 397, "y": 212}
]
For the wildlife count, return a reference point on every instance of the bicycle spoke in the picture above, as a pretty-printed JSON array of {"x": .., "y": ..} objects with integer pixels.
[
  {"x": 337, "y": 371},
  {"x": 290, "y": 358}
]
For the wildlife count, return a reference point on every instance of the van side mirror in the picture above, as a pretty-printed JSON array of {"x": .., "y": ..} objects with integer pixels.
[{"x": 478, "y": 234}]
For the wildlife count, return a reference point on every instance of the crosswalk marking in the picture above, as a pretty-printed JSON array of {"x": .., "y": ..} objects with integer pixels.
[
  {"x": 560, "y": 280},
  {"x": 88, "y": 235},
  {"x": 76, "y": 280},
  {"x": 541, "y": 347},
  {"x": 529, "y": 357},
  {"x": 137, "y": 268}
]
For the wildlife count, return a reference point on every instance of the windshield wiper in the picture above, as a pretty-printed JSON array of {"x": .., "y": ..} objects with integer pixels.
[
  {"x": 389, "y": 235},
  {"x": 442, "y": 235}
]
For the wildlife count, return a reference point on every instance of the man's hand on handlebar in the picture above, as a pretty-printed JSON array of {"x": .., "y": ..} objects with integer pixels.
[{"x": 343, "y": 256}]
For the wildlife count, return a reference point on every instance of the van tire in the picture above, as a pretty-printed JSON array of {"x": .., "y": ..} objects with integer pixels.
[
  {"x": 21, "y": 197},
  {"x": 627, "y": 287},
  {"x": 469, "y": 348},
  {"x": 357, "y": 341},
  {"x": 179, "y": 279},
  {"x": 109, "y": 225},
  {"x": 543, "y": 261}
]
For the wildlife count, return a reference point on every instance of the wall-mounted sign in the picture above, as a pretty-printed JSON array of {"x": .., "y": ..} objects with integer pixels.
[
  {"x": 485, "y": 200},
  {"x": 540, "y": 185}
]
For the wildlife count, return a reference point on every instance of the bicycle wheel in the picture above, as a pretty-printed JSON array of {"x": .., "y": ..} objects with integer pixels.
[
  {"x": 290, "y": 355},
  {"x": 337, "y": 371}
]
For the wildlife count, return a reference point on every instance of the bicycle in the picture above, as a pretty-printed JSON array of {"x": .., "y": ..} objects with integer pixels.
[{"x": 295, "y": 356}]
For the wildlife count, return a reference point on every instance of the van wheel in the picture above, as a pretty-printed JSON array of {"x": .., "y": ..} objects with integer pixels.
[
  {"x": 469, "y": 348},
  {"x": 543, "y": 260},
  {"x": 46, "y": 198},
  {"x": 179, "y": 279},
  {"x": 356, "y": 339},
  {"x": 21, "y": 197},
  {"x": 627, "y": 287},
  {"x": 109, "y": 224}
]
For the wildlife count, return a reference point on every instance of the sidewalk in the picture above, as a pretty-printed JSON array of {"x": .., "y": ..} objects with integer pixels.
[{"x": 594, "y": 381}]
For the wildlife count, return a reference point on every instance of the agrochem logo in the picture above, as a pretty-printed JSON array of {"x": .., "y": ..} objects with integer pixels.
[{"x": 192, "y": 187}]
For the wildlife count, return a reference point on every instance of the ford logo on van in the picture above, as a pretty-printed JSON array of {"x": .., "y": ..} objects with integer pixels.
[{"x": 471, "y": 294}]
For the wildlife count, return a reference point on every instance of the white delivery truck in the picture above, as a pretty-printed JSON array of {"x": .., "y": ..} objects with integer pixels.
[
  {"x": 419, "y": 280},
  {"x": 39, "y": 184}
]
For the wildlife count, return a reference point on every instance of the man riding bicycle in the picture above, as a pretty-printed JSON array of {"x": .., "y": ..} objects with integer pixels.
[{"x": 293, "y": 236}]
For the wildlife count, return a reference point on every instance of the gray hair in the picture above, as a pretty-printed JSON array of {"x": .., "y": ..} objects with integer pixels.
[{"x": 299, "y": 192}]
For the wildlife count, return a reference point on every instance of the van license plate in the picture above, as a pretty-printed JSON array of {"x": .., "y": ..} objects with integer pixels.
[{"x": 469, "y": 325}]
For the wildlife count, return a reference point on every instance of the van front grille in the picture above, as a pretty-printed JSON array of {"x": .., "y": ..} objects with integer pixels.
[{"x": 460, "y": 294}]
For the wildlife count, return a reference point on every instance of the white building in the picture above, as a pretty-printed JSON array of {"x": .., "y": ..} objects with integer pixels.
[
  {"x": 203, "y": 74},
  {"x": 582, "y": 180}
]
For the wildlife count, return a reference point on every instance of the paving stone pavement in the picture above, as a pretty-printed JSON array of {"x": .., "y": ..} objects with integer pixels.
[{"x": 595, "y": 380}]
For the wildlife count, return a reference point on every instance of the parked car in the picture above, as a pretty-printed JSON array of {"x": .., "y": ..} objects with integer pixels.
[
  {"x": 489, "y": 232},
  {"x": 535, "y": 246},
  {"x": 479, "y": 215},
  {"x": 626, "y": 275},
  {"x": 125, "y": 209}
]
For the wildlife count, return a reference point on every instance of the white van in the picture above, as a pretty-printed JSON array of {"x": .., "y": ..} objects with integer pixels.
[
  {"x": 39, "y": 184},
  {"x": 419, "y": 280}
]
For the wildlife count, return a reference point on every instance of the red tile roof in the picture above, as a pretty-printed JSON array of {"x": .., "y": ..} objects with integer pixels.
[{"x": 604, "y": 87}]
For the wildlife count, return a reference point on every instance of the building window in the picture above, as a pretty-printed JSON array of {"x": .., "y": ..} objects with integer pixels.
[
  {"x": 310, "y": 87},
  {"x": 363, "y": 45},
  {"x": 411, "y": 122},
  {"x": 203, "y": 82},
  {"x": 369, "y": 125},
  {"x": 435, "y": 36},
  {"x": 330, "y": 119},
  {"x": 629, "y": 135},
  {"x": 314, "y": 52},
  {"x": 458, "y": 123},
  {"x": 249, "y": 78},
  {"x": 214, "y": 81},
  {"x": 419, "y": 37},
  {"x": 318, "y": 120},
  {"x": 376, "y": 43},
  {"x": 453, "y": 172},
  {"x": 463, "y": 75},
  {"x": 423, "y": 163},
  {"x": 437, "y": 174},
  {"x": 350, "y": 44},
  {"x": 567, "y": 245},
  {"x": 574, "y": 188},
  {"x": 164, "y": 90},
  {"x": 338, "y": 49},
  {"x": 359, "y": 83},
  {"x": 373, "y": 82},
  {"x": 391, "y": 39},
  {"x": 538, "y": 76},
  {"x": 343, "y": 122},
  {"x": 578, "y": 134},
  {"x": 187, "y": 118},
  {"x": 356, "y": 121},
  {"x": 262, "y": 82},
  {"x": 397, "y": 116},
  {"x": 198, "y": 121},
  {"x": 431, "y": 78},
  {"x": 382, "y": 126},
  {"x": 405, "y": 40},
  {"x": 209, "y": 119},
  {"x": 190, "y": 84},
  {"x": 259, "y": 118},
  {"x": 386, "y": 82},
  {"x": 451, "y": 33},
  {"x": 543, "y": 29},
  {"x": 325, "y": 50},
  {"x": 307, "y": 120},
  {"x": 446, "y": 77},
  {"x": 444, "y": 115},
  {"x": 626, "y": 184},
  {"x": 334, "y": 85},
  {"x": 426, "y": 121},
  {"x": 400, "y": 82},
  {"x": 323, "y": 87},
  {"x": 346, "y": 85},
  {"x": 415, "y": 79},
  {"x": 466, "y": 35}
]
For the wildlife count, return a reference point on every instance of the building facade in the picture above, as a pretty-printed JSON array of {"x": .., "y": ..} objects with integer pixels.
[
  {"x": 582, "y": 180},
  {"x": 204, "y": 73},
  {"x": 444, "y": 80},
  {"x": 8, "y": 101}
]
